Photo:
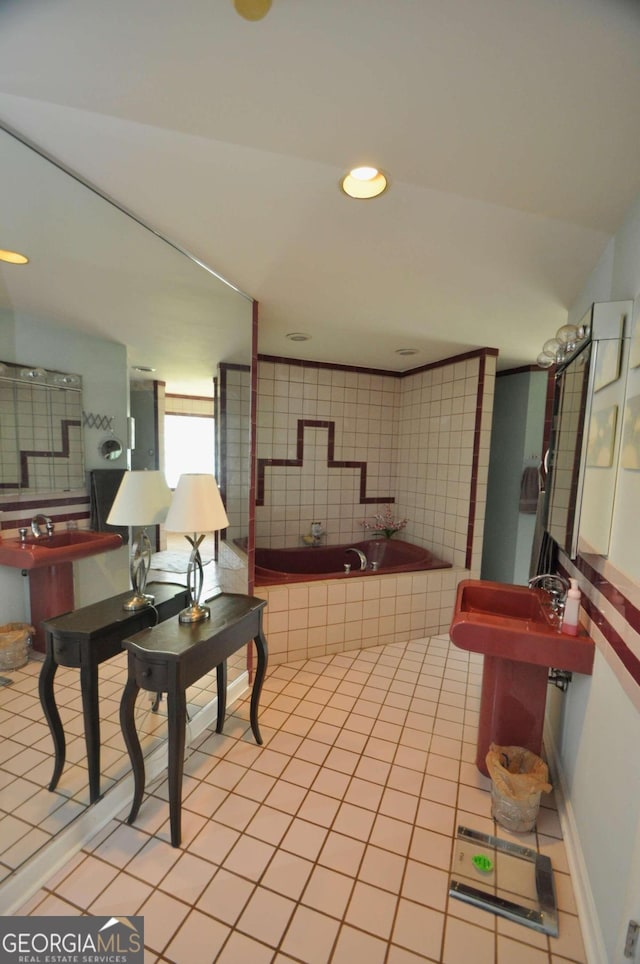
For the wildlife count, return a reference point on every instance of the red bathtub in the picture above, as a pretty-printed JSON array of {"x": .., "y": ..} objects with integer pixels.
[{"x": 305, "y": 564}]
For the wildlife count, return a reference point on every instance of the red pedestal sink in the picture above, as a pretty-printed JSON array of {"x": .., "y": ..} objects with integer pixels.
[
  {"x": 49, "y": 563},
  {"x": 514, "y": 629}
]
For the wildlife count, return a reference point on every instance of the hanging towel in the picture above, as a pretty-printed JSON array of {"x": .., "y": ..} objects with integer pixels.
[
  {"x": 103, "y": 487},
  {"x": 529, "y": 488}
]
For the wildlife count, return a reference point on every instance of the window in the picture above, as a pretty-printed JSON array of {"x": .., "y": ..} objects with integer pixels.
[{"x": 189, "y": 442}]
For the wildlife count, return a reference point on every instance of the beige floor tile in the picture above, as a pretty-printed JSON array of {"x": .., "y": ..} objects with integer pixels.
[
  {"x": 328, "y": 891},
  {"x": 463, "y": 943},
  {"x": 335, "y": 836},
  {"x": 391, "y": 834},
  {"x": 319, "y": 808},
  {"x": 398, "y": 804},
  {"x": 304, "y": 839},
  {"x": 266, "y": 916},
  {"x": 436, "y": 816},
  {"x": 123, "y": 893},
  {"x": 381, "y": 868},
  {"x": 353, "y": 946},
  {"x": 426, "y": 885},
  {"x": 163, "y": 915},
  {"x": 287, "y": 874},
  {"x": 372, "y": 909},
  {"x": 431, "y": 848},
  {"x": 86, "y": 882},
  {"x": 226, "y": 896},
  {"x": 419, "y": 929},
  {"x": 514, "y": 952},
  {"x": 286, "y": 796},
  {"x": 569, "y": 942},
  {"x": 310, "y": 936},
  {"x": 249, "y": 857},
  {"x": 188, "y": 877},
  {"x": 342, "y": 853},
  {"x": 198, "y": 941}
]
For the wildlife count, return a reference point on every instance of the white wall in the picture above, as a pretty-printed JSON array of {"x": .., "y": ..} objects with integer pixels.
[{"x": 597, "y": 730}]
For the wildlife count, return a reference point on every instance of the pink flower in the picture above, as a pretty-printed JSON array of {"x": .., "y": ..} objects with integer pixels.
[{"x": 385, "y": 523}]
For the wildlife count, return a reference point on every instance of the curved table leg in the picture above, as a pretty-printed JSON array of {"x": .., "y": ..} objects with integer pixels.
[
  {"x": 221, "y": 690},
  {"x": 177, "y": 720},
  {"x": 127, "y": 723},
  {"x": 50, "y": 710},
  {"x": 91, "y": 714},
  {"x": 261, "y": 649}
]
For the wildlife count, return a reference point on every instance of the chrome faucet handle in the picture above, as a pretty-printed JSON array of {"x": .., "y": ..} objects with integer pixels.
[
  {"x": 551, "y": 582},
  {"x": 38, "y": 521},
  {"x": 555, "y": 586}
]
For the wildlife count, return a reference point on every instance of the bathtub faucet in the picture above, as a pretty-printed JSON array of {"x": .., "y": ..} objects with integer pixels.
[{"x": 360, "y": 554}]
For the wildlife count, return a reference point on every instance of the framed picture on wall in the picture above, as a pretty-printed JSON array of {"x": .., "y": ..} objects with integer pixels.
[
  {"x": 607, "y": 363},
  {"x": 634, "y": 355},
  {"x": 602, "y": 433},
  {"x": 631, "y": 434}
]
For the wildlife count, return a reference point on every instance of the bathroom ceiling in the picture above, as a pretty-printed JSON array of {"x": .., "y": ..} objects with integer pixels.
[{"x": 510, "y": 133}]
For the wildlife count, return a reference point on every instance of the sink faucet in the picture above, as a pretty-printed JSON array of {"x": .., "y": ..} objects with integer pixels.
[
  {"x": 360, "y": 554},
  {"x": 556, "y": 586},
  {"x": 37, "y": 522}
]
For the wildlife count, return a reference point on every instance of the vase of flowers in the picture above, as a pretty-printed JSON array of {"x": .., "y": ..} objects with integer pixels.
[{"x": 384, "y": 523}]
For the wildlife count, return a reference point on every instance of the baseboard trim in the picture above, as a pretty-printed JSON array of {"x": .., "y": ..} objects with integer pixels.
[{"x": 587, "y": 910}]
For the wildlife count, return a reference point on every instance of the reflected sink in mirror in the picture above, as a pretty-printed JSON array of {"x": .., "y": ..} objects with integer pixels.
[
  {"x": 60, "y": 547},
  {"x": 516, "y": 623}
]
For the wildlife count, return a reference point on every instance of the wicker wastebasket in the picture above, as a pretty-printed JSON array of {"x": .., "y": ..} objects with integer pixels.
[
  {"x": 518, "y": 778},
  {"x": 15, "y": 640}
]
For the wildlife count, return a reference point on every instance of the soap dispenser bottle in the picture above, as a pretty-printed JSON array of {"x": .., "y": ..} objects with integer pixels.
[{"x": 571, "y": 610}]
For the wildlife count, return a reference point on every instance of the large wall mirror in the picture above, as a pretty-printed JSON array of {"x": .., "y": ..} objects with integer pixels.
[
  {"x": 586, "y": 432},
  {"x": 102, "y": 294}
]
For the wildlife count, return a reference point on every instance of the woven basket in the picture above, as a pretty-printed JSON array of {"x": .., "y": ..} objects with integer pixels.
[{"x": 15, "y": 639}]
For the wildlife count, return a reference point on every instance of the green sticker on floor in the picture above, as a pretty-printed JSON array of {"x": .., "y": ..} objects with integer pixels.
[{"x": 482, "y": 863}]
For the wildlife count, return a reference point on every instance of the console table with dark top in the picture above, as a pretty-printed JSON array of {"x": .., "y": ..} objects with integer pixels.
[
  {"x": 173, "y": 656},
  {"x": 84, "y": 638}
]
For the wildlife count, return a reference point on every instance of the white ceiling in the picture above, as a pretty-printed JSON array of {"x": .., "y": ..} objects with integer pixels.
[{"x": 510, "y": 130}]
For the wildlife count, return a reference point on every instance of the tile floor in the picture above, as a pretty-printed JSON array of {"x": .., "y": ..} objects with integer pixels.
[
  {"x": 333, "y": 841},
  {"x": 30, "y": 816}
]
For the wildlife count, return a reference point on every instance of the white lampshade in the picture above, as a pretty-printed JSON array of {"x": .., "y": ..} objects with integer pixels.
[
  {"x": 196, "y": 505},
  {"x": 142, "y": 500}
]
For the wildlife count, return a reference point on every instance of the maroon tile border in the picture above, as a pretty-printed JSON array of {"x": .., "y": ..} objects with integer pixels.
[
  {"x": 623, "y": 606},
  {"x": 476, "y": 460},
  {"x": 442, "y": 363},
  {"x": 620, "y": 603},
  {"x": 332, "y": 462},
  {"x": 251, "y": 540},
  {"x": 26, "y": 454},
  {"x": 42, "y": 502}
]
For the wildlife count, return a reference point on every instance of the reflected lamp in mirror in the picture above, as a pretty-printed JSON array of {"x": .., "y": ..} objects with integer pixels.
[
  {"x": 142, "y": 500},
  {"x": 196, "y": 508}
]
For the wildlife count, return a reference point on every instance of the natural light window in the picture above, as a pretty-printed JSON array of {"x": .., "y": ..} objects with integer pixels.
[{"x": 189, "y": 446}]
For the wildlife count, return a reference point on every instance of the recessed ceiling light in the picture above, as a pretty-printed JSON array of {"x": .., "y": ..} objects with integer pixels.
[
  {"x": 364, "y": 183},
  {"x": 252, "y": 9},
  {"x": 13, "y": 257},
  {"x": 143, "y": 368},
  {"x": 298, "y": 336},
  {"x": 406, "y": 351}
]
